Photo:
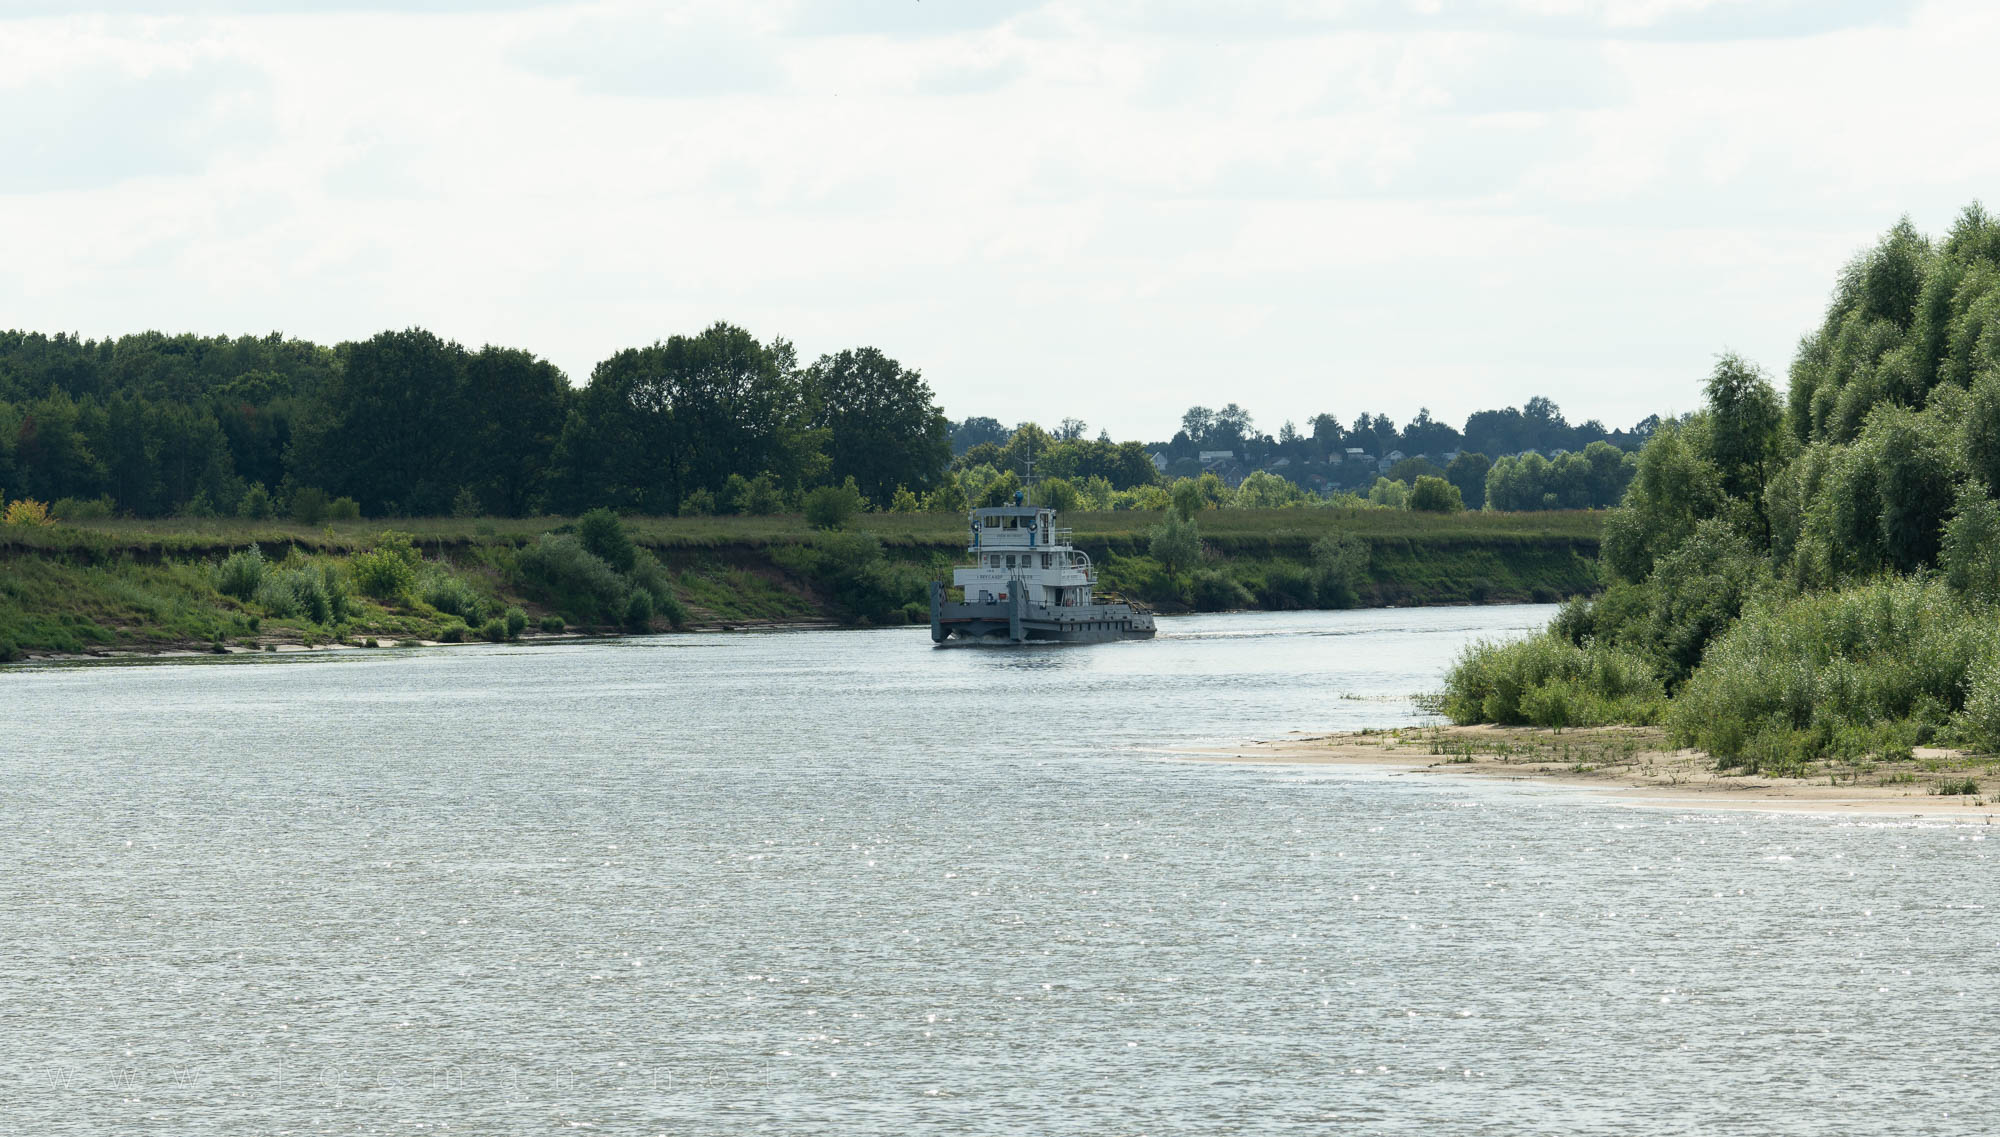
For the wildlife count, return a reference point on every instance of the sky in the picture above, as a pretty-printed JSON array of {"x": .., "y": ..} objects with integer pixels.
[{"x": 1108, "y": 210}]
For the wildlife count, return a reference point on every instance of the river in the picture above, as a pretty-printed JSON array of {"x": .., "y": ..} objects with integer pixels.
[{"x": 845, "y": 882}]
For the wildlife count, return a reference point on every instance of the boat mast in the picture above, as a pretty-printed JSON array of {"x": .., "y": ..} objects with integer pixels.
[{"x": 1028, "y": 482}]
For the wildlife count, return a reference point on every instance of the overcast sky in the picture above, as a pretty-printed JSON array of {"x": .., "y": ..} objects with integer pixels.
[{"x": 1102, "y": 210}]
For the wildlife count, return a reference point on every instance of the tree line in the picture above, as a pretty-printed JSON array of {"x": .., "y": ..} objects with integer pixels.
[{"x": 407, "y": 423}]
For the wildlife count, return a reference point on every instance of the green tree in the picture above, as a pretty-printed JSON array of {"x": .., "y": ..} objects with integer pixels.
[
  {"x": 1176, "y": 544},
  {"x": 517, "y": 405},
  {"x": 882, "y": 426},
  {"x": 1435, "y": 495},
  {"x": 603, "y": 534},
  {"x": 832, "y": 507},
  {"x": 383, "y": 428},
  {"x": 1468, "y": 473}
]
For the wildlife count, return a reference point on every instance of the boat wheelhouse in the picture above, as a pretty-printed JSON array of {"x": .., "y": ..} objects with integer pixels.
[{"x": 1027, "y": 581}]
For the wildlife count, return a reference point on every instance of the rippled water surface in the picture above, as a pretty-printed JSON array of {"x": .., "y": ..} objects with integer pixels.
[{"x": 842, "y": 882}]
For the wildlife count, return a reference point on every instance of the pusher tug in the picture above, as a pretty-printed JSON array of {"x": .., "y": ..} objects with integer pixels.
[{"x": 1028, "y": 584}]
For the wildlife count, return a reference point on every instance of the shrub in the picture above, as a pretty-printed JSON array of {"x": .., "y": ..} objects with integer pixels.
[
  {"x": 308, "y": 505},
  {"x": 1176, "y": 543},
  {"x": 239, "y": 574},
  {"x": 756, "y": 496},
  {"x": 255, "y": 504},
  {"x": 1214, "y": 590},
  {"x": 1287, "y": 586},
  {"x": 850, "y": 568},
  {"x": 1341, "y": 560},
  {"x": 85, "y": 509},
  {"x": 517, "y": 622},
  {"x": 604, "y": 535},
  {"x": 26, "y": 511},
  {"x": 903, "y": 501},
  {"x": 383, "y": 573},
  {"x": 832, "y": 507},
  {"x": 1888, "y": 664},
  {"x": 343, "y": 509},
  {"x": 699, "y": 503},
  {"x": 1545, "y": 680},
  {"x": 450, "y": 594},
  {"x": 1435, "y": 495},
  {"x": 465, "y": 503},
  {"x": 639, "y": 610},
  {"x": 1187, "y": 499},
  {"x": 298, "y": 592},
  {"x": 552, "y": 624},
  {"x": 451, "y": 634},
  {"x": 558, "y": 571},
  {"x": 495, "y": 630}
]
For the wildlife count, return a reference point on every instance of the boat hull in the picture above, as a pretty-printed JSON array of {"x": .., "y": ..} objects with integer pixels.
[{"x": 1017, "y": 621}]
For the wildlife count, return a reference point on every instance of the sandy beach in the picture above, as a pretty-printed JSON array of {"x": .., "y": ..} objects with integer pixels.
[{"x": 1637, "y": 766}]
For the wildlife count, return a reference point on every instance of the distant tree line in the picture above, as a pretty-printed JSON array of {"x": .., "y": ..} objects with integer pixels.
[
  {"x": 1539, "y": 425},
  {"x": 406, "y": 423}
]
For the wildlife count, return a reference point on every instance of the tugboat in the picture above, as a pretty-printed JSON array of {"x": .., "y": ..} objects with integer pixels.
[{"x": 1028, "y": 584}]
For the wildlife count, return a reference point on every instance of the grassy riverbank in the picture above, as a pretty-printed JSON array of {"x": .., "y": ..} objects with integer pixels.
[{"x": 124, "y": 585}]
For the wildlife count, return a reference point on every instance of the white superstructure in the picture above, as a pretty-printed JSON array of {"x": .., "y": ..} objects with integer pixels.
[{"x": 1018, "y": 550}]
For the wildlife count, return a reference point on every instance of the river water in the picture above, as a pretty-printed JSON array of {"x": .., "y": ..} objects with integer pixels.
[{"x": 842, "y": 882}]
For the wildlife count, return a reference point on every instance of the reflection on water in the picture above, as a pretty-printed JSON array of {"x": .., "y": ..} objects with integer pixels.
[{"x": 843, "y": 882}]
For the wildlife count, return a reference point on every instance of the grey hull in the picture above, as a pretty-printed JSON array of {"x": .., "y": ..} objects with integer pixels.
[{"x": 1016, "y": 620}]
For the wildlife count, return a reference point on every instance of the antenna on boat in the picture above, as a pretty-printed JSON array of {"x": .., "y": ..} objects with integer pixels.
[{"x": 1028, "y": 483}]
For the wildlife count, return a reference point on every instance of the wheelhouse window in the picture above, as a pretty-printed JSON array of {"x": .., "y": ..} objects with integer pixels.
[
  {"x": 993, "y": 523},
  {"x": 1010, "y": 560}
]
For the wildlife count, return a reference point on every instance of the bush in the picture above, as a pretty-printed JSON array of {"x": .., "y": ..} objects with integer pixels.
[
  {"x": 451, "y": 634},
  {"x": 1435, "y": 495},
  {"x": 700, "y": 503},
  {"x": 26, "y": 511},
  {"x": 343, "y": 509},
  {"x": 1214, "y": 590},
  {"x": 465, "y": 504},
  {"x": 756, "y": 496},
  {"x": 1176, "y": 543},
  {"x": 449, "y": 594},
  {"x": 516, "y": 620},
  {"x": 494, "y": 631},
  {"x": 552, "y": 624},
  {"x": 850, "y": 568},
  {"x": 301, "y": 592},
  {"x": 1885, "y": 665},
  {"x": 639, "y": 611},
  {"x": 308, "y": 506},
  {"x": 239, "y": 574},
  {"x": 384, "y": 573},
  {"x": 255, "y": 504},
  {"x": 1545, "y": 680},
  {"x": 1341, "y": 560},
  {"x": 558, "y": 571},
  {"x": 603, "y": 534},
  {"x": 903, "y": 501},
  {"x": 1287, "y": 587},
  {"x": 832, "y": 507},
  {"x": 86, "y": 509}
]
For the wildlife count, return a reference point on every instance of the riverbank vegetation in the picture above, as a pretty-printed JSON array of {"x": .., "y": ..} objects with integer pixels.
[
  {"x": 1809, "y": 578},
  {"x": 125, "y": 584}
]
